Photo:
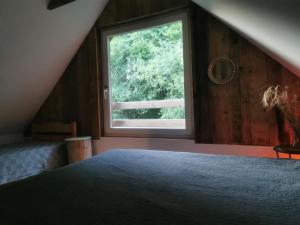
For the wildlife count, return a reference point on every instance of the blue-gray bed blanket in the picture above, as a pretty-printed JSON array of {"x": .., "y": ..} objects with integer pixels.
[
  {"x": 22, "y": 160},
  {"x": 131, "y": 187}
]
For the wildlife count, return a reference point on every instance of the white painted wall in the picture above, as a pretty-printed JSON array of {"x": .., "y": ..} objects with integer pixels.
[
  {"x": 273, "y": 25},
  {"x": 36, "y": 46},
  {"x": 109, "y": 143}
]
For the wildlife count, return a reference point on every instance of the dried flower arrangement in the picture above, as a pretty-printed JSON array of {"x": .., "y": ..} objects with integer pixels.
[{"x": 276, "y": 97}]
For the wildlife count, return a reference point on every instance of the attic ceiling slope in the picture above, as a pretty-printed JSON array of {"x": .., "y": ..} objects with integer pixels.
[
  {"x": 36, "y": 46},
  {"x": 273, "y": 25}
]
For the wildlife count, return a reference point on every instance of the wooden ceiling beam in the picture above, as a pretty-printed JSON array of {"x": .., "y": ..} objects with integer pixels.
[{"x": 53, "y": 4}]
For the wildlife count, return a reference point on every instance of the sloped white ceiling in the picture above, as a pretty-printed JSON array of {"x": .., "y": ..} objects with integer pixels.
[
  {"x": 36, "y": 46},
  {"x": 273, "y": 25}
]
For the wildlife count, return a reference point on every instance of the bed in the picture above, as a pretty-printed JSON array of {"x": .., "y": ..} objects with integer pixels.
[
  {"x": 22, "y": 160},
  {"x": 138, "y": 187},
  {"x": 46, "y": 151}
]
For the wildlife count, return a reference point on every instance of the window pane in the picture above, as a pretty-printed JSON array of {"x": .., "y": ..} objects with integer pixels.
[{"x": 147, "y": 78}]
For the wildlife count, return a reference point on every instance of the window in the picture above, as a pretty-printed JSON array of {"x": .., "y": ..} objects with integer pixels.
[{"x": 147, "y": 79}]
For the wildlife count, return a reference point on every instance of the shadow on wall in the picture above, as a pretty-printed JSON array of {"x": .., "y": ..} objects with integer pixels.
[
  {"x": 45, "y": 2},
  {"x": 11, "y": 138}
]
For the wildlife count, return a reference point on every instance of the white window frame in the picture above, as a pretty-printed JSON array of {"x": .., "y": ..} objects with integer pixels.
[{"x": 136, "y": 26}]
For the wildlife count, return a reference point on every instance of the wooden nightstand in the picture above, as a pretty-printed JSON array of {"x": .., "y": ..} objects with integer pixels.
[{"x": 79, "y": 148}]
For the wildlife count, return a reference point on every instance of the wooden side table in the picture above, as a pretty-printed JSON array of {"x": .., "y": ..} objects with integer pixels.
[
  {"x": 79, "y": 148},
  {"x": 287, "y": 149}
]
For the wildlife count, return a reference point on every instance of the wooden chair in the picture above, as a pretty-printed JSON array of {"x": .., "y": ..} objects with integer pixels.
[{"x": 53, "y": 131}]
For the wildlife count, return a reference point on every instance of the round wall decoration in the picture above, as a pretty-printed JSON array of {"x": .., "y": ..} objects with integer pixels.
[{"x": 221, "y": 70}]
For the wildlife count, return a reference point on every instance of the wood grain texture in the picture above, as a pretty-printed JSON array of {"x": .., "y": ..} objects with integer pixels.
[
  {"x": 232, "y": 113},
  {"x": 120, "y": 11},
  {"x": 53, "y": 131},
  {"x": 79, "y": 150},
  {"x": 199, "y": 38},
  {"x": 76, "y": 95}
]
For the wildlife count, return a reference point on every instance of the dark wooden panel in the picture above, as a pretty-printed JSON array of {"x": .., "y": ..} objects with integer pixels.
[
  {"x": 232, "y": 113},
  {"x": 53, "y": 131},
  {"x": 203, "y": 121},
  {"x": 75, "y": 97},
  {"x": 225, "y": 104},
  {"x": 253, "y": 80},
  {"x": 118, "y": 11}
]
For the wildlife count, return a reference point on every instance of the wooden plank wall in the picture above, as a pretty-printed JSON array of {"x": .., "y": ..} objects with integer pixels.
[
  {"x": 224, "y": 114},
  {"x": 75, "y": 97},
  {"x": 232, "y": 113},
  {"x": 119, "y": 11}
]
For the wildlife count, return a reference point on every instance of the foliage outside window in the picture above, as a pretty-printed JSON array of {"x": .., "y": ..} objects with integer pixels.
[{"x": 146, "y": 78}]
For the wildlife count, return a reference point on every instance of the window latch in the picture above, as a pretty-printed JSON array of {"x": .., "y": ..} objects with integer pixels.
[{"x": 105, "y": 93}]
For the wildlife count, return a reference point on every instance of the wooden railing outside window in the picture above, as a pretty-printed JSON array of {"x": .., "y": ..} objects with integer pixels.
[{"x": 149, "y": 123}]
